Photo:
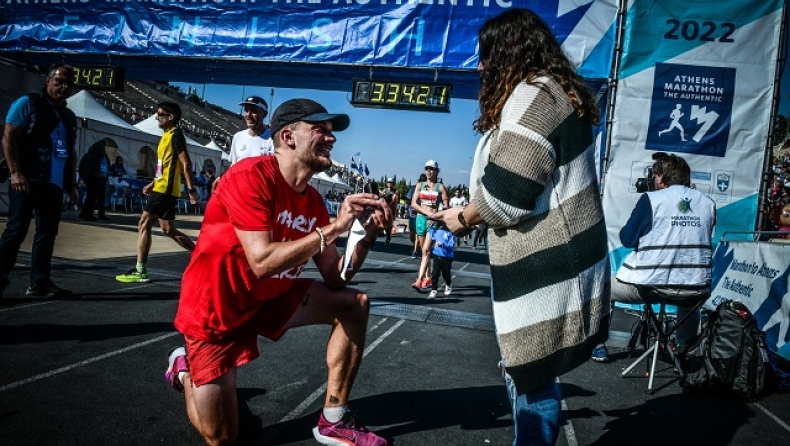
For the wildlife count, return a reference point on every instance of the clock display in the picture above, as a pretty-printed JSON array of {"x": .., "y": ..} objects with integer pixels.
[
  {"x": 99, "y": 78},
  {"x": 423, "y": 96}
]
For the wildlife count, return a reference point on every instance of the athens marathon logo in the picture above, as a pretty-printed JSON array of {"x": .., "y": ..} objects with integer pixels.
[{"x": 684, "y": 207}]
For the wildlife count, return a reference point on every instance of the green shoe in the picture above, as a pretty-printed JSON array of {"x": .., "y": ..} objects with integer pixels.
[{"x": 133, "y": 276}]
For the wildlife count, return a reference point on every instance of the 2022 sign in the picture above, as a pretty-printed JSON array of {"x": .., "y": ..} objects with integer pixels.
[{"x": 694, "y": 30}]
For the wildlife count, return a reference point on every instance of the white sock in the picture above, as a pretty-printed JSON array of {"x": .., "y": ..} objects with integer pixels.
[
  {"x": 334, "y": 414},
  {"x": 181, "y": 376}
]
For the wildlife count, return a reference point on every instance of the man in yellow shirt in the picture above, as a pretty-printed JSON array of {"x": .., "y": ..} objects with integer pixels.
[{"x": 165, "y": 189}]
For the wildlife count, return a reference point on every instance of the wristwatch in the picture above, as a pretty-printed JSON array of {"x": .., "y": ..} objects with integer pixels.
[{"x": 193, "y": 191}]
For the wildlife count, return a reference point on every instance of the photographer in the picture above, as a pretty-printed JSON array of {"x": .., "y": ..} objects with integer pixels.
[{"x": 670, "y": 233}]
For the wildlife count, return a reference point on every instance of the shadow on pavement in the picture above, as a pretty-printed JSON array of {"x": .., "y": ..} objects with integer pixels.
[
  {"x": 470, "y": 408},
  {"x": 675, "y": 419}
]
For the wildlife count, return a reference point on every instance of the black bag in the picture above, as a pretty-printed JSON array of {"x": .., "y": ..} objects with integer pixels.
[{"x": 730, "y": 353}]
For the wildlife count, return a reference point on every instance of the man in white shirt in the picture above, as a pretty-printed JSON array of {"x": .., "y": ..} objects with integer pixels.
[{"x": 256, "y": 140}]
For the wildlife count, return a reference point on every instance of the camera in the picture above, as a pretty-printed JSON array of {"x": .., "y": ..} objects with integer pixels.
[{"x": 645, "y": 184}]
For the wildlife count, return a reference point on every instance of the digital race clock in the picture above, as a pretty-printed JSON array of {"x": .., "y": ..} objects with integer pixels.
[
  {"x": 422, "y": 96},
  {"x": 98, "y": 78}
]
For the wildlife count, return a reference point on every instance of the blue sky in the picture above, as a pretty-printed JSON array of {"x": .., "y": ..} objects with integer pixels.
[{"x": 391, "y": 142}]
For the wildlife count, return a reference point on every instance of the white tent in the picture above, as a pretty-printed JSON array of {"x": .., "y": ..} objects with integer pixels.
[
  {"x": 151, "y": 125},
  {"x": 96, "y": 123},
  {"x": 137, "y": 146},
  {"x": 340, "y": 183},
  {"x": 322, "y": 182},
  {"x": 213, "y": 145},
  {"x": 85, "y": 106}
]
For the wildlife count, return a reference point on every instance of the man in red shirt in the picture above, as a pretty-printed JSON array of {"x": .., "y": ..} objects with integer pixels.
[{"x": 261, "y": 227}]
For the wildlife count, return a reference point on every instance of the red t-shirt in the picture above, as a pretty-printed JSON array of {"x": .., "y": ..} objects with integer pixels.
[{"x": 219, "y": 291}]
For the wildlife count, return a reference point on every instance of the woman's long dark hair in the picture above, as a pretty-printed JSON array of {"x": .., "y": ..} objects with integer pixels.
[{"x": 518, "y": 46}]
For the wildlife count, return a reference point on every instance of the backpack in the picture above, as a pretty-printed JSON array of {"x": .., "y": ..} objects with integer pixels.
[{"x": 729, "y": 354}]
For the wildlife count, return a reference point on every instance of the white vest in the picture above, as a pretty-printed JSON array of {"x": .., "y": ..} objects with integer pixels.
[{"x": 677, "y": 250}]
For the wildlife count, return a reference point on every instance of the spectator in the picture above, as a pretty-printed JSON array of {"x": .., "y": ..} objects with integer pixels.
[
  {"x": 256, "y": 139},
  {"x": 443, "y": 253},
  {"x": 39, "y": 147},
  {"x": 117, "y": 173},
  {"x": 94, "y": 169},
  {"x": 459, "y": 200},
  {"x": 534, "y": 172},
  {"x": 391, "y": 196}
]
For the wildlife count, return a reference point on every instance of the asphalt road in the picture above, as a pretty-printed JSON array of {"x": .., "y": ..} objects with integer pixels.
[{"x": 88, "y": 370}]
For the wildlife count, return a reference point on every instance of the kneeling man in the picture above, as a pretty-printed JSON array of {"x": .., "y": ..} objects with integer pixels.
[{"x": 262, "y": 225}]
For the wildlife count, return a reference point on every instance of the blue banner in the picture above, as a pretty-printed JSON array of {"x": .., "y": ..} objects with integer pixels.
[{"x": 440, "y": 34}]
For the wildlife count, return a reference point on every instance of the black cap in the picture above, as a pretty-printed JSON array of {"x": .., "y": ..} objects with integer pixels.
[
  {"x": 256, "y": 101},
  {"x": 307, "y": 110}
]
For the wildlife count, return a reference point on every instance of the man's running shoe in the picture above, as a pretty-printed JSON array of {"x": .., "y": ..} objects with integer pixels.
[
  {"x": 46, "y": 288},
  {"x": 176, "y": 363},
  {"x": 448, "y": 290},
  {"x": 432, "y": 294},
  {"x": 133, "y": 276},
  {"x": 346, "y": 432}
]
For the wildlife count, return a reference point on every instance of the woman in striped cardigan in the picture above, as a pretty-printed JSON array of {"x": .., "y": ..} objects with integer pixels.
[{"x": 533, "y": 182}]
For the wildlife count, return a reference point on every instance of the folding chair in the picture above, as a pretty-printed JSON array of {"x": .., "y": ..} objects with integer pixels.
[{"x": 658, "y": 328}]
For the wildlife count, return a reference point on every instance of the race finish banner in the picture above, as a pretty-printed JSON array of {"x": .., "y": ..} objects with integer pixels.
[
  {"x": 696, "y": 79},
  {"x": 756, "y": 273},
  {"x": 395, "y": 33}
]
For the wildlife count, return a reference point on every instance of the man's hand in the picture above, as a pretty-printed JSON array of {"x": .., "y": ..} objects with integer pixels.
[
  {"x": 75, "y": 195},
  {"x": 19, "y": 182},
  {"x": 148, "y": 188},
  {"x": 360, "y": 206},
  {"x": 380, "y": 218},
  {"x": 193, "y": 197}
]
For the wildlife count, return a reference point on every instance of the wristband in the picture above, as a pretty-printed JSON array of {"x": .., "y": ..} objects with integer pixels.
[
  {"x": 462, "y": 220},
  {"x": 367, "y": 244},
  {"x": 323, "y": 239},
  {"x": 193, "y": 191}
]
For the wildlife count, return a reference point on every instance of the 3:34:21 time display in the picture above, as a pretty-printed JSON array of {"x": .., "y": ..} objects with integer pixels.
[{"x": 402, "y": 95}]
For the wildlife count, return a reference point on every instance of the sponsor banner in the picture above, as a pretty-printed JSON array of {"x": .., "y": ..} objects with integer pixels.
[
  {"x": 756, "y": 273},
  {"x": 696, "y": 81},
  {"x": 400, "y": 33}
]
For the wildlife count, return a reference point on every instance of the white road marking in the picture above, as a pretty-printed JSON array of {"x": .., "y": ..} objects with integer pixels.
[
  {"x": 773, "y": 417},
  {"x": 52, "y": 373},
  {"x": 570, "y": 432}
]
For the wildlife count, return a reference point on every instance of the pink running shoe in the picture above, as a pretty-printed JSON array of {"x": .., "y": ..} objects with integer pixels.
[
  {"x": 176, "y": 363},
  {"x": 346, "y": 432}
]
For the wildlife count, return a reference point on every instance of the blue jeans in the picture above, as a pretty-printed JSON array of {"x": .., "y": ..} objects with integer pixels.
[
  {"x": 537, "y": 414},
  {"x": 46, "y": 200}
]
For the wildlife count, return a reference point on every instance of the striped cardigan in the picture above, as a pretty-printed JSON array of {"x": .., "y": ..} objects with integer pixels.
[{"x": 537, "y": 190}]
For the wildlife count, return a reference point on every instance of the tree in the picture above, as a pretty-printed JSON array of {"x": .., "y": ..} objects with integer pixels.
[{"x": 781, "y": 128}]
